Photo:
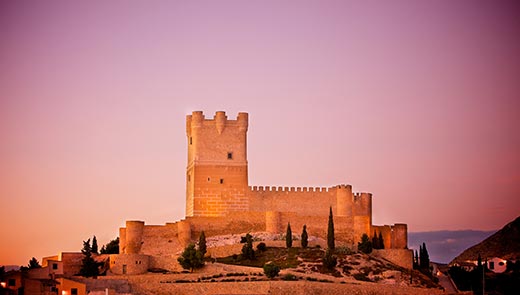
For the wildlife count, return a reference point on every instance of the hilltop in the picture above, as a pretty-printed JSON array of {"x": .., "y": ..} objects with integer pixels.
[{"x": 505, "y": 244}]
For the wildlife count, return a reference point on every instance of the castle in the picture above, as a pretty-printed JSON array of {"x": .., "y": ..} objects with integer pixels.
[{"x": 219, "y": 201}]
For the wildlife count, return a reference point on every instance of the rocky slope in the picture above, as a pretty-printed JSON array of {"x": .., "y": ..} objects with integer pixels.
[{"x": 505, "y": 244}]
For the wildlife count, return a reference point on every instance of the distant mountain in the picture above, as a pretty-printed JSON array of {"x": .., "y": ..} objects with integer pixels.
[
  {"x": 11, "y": 267},
  {"x": 444, "y": 245},
  {"x": 505, "y": 243}
]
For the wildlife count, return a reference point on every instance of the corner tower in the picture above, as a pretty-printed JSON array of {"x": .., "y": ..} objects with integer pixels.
[{"x": 216, "y": 175}]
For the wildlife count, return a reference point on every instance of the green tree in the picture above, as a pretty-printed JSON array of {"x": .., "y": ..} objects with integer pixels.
[
  {"x": 191, "y": 258},
  {"x": 416, "y": 260},
  {"x": 424, "y": 257},
  {"x": 375, "y": 241},
  {"x": 330, "y": 232},
  {"x": 305, "y": 237},
  {"x": 288, "y": 236},
  {"x": 94, "y": 245},
  {"x": 329, "y": 260},
  {"x": 271, "y": 270},
  {"x": 202, "y": 243},
  {"x": 33, "y": 263},
  {"x": 247, "y": 250},
  {"x": 89, "y": 267},
  {"x": 365, "y": 245},
  {"x": 111, "y": 247}
]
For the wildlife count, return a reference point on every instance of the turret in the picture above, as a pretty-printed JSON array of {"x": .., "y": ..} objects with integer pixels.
[{"x": 344, "y": 200}]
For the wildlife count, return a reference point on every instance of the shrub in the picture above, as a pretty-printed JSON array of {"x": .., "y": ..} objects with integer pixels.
[
  {"x": 361, "y": 277},
  {"x": 261, "y": 247},
  {"x": 329, "y": 261},
  {"x": 289, "y": 277},
  {"x": 271, "y": 270},
  {"x": 343, "y": 250},
  {"x": 365, "y": 245},
  {"x": 191, "y": 258}
]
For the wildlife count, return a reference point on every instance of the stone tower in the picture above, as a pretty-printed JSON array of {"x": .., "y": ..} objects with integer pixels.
[{"x": 216, "y": 175}]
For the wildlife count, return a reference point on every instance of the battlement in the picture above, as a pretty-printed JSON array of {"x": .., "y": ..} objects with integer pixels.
[
  {"x": 288, "y": 189},
  {"x": 198, "y": 120},
  {"x": 359, "y": 196}
]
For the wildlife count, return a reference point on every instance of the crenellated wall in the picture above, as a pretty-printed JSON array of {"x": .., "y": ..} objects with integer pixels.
[{"x": 219, "y": 201}]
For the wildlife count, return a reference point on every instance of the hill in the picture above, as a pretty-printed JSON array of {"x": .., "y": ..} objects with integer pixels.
[
  {"x": 505, "y": 244},
  {"x": 444, "y": 245}
]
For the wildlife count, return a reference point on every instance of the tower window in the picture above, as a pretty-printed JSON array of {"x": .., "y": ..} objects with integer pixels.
[
  {"x": 191, "y": 140},
  {"x": 230, "y": 156},
  {"x": 209, "y": 179},
  {"x": 221, "y": 180}
]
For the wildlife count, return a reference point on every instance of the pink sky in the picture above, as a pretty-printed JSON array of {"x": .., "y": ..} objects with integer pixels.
[{"x": 417, "y": 102}]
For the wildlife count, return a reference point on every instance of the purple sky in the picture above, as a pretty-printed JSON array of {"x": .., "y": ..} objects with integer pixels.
[{"x": 417, "y": 102}]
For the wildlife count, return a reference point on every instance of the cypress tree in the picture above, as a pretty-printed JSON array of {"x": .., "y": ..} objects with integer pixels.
[
  {"x": 381, "y": 241},
  {"x": 305, "y": 237},
  {"x": 375, "y": 241},
  {"x": 330, "y": 232},
  {"x": 288, "y": 236},
  {"x": 415, "y": 258},
  {"x": 202, "y": 243},
  {"x": 424, "y": 257},
  {"x": 94, "y": 248}
]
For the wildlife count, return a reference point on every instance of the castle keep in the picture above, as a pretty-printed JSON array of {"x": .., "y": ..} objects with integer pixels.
[{"x": 219, "y": 201}]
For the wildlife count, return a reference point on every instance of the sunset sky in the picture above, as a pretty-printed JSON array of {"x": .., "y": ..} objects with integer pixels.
[{"x": 417, "y": 102}]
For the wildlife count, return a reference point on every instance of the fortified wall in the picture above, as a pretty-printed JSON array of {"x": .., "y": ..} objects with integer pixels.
[{"x": 219, "y": 201}]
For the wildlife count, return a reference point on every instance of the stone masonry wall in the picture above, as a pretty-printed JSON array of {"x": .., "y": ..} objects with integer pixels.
[{"x": 305, "y": 201}]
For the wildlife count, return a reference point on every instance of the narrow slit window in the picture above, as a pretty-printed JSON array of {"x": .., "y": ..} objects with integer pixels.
[
  {"x": 230, "y": 156},
  {"x": 221, "y": 180},
  {"x": 209, "y": 179},
  {"x": 191, "y": 140}
]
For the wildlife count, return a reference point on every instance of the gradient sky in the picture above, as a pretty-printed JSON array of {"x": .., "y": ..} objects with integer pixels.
[{"x": 417, "y": 102}]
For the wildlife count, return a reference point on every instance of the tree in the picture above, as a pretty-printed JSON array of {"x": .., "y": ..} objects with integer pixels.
[
  {"x": 424, "y": 257},
  {"x": 89, "y": 267},
  {"x": 288, "y": 236},
  {"x": 202, "y": 243},
  {"x": 247, "y": 249},
  {"x": 381, "y": 241},
  {"x": 416, "y": 260},
  {"x": 33, "y": 263},
  {"x": 375, "y": 241},
  {"x": 271, "y": 270},
  {"x": 191, "y": 258},
  {"x": 111, "y": 247},
  {"x": 305, "y": 237},
  {"x": 329, "y": 260},
  {"x": 365, "y": 245},
  {"x": 94, "y": 245},
  {"x": 330, "y": 231}
]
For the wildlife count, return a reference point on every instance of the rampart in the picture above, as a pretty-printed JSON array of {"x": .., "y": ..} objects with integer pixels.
[{"x": 219, "y": 201}]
